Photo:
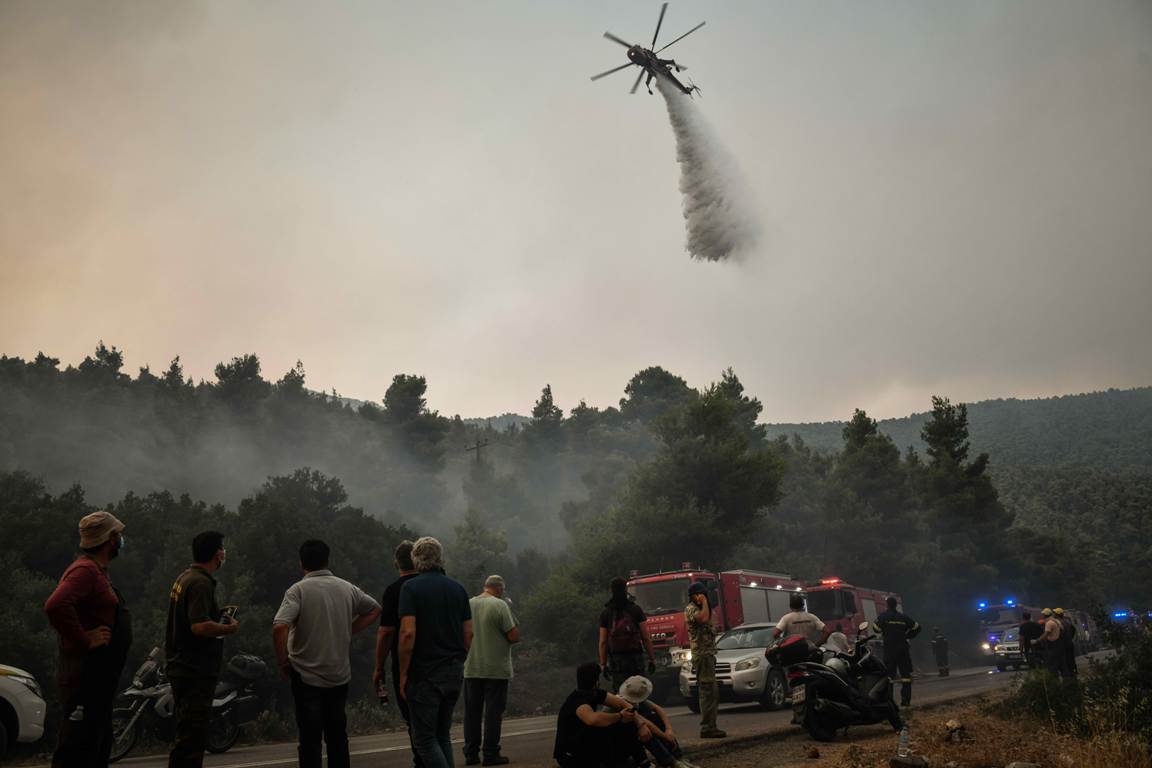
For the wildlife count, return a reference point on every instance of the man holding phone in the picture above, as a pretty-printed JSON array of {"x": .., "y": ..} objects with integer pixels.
[
  {"x": 698, "y": 617},
  {"x": 196, "y": 627}
]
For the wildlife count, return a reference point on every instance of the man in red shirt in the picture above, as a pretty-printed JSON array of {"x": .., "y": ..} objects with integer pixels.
[{"x": 95, "y": 632}]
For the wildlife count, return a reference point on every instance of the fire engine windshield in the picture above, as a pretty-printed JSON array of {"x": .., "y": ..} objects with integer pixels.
[
  {"x": 1001, "y": 615},
  {"x": 659, "y": 597},
  {"x": 824, "y": 603}
]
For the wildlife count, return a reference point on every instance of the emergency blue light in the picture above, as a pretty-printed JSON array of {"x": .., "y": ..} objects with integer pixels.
[
  {"x": 1010, "y": 602},
  {"x": 981, "y": 605},
  {"x": 992, "y": 638},
  {"x": 1120, "y": 615}
]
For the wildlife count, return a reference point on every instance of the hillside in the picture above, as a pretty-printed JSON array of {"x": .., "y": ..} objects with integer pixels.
[{"x": 1109, "y": 430}]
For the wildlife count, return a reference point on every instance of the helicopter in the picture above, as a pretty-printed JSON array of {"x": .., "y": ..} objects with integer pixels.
[{"x": 649, "y": 62}]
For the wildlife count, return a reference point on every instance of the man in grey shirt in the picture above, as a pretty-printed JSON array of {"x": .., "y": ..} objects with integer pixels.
[{"x": 311, "y": 634}]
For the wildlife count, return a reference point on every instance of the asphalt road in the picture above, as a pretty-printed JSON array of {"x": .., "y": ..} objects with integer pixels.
[{"x": 528, "y": 741}]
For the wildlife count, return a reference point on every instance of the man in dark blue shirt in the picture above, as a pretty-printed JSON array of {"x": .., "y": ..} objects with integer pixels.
[{"x": 435, "y": 634}]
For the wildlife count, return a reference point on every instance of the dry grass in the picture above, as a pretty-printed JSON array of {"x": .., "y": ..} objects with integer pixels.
[{"x": 993, "y": 742}]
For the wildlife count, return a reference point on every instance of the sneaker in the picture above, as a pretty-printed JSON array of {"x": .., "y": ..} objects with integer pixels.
[
  {"x": 714, "y": 733},
  {"x": 496, "y": 760}
]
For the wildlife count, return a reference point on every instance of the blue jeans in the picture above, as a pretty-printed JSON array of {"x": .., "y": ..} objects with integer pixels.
[{"x": 431, "y": 700}]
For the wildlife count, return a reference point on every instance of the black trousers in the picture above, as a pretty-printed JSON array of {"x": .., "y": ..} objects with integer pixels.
[
  {"x": 484, "y": 701},
  {"x": 87, "y": 684},
  {"x": 898, "y": 660},
  {"x": 320, "y": 718},
  {"x": 193, "y": 700},
  {"x": 613, "y": 746}
]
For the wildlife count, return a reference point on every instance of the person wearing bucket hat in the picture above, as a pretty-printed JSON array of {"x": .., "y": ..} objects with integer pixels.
[
  {"x": 95, "y": 630},
  {"x": 702, "y": 634},
  {"x": 663, "y": 746}
]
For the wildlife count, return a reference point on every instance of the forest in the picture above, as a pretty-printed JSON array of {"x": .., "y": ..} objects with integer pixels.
[{"x": 558, "y": 506}]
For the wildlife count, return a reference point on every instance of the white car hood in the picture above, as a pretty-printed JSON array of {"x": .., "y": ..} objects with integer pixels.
[{"x": 6, "y": 670}]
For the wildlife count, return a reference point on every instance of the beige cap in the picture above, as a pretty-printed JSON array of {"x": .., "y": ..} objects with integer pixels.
[
  {"x": 1046, "y": 612},
  {"x": 1059, "y": 611},
  {"x": 97, "y": 527}
]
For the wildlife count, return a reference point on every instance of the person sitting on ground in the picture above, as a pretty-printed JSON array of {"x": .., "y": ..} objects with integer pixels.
[
  {"x": 586, "y": 738},
  {"x": 663, "y": 747}
]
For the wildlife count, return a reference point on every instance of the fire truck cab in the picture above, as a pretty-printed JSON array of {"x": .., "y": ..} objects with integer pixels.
[
  {"x": 738, "y": 597},
  {"x": 843, "y": 606}
]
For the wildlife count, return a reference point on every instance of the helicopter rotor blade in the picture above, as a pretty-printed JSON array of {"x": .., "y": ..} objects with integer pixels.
[
  {"x": 615, "y": 39},
  {"x": 659, "y": 21},
  {"x": 615, "y": 69},
  {"x": 683, "y": 36},
  {"x": 639, "y": 77}
]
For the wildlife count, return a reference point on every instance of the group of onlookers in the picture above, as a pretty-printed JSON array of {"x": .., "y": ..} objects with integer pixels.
[{"x": 441, "y": 642}]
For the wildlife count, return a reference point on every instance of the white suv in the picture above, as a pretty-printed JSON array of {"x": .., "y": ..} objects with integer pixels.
[
  {"x": 21, "y": 708},
  {"x": 742, "y": 672}
]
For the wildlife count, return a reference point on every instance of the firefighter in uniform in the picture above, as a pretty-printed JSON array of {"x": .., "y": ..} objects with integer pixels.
[
  {"x": 896, "y": 629},
  {"x": 940, "y": 650}
]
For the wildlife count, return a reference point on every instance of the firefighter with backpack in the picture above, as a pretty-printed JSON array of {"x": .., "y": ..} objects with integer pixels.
[{"x": 623, "y": 641}]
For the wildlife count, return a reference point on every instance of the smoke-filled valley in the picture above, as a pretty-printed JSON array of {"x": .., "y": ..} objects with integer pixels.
[{"x": 559, "y": 505}]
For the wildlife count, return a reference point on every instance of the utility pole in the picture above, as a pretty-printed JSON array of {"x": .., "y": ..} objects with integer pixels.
[{"x": 477, "y": 447}]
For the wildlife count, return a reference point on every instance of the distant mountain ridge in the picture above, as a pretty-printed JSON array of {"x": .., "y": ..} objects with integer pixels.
[{"x": 1109, "y": 430}]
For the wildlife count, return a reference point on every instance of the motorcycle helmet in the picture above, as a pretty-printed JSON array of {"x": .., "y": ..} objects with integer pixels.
[{"x": 839, "y": 666}]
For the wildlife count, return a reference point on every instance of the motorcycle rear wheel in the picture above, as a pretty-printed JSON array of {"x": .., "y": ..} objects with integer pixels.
[
  {"x": 222, "y": 734},
  {"x": 819, "y": 726},
  {"x": 123, "y": 737}
]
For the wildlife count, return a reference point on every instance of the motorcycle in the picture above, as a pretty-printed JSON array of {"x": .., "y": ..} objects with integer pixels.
[
  {"x": 148, "y": 705},
  {"x": 833, "y": 688}
]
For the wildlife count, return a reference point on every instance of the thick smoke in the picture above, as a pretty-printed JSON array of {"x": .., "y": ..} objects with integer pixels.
[{"x": 718, "y": 223}]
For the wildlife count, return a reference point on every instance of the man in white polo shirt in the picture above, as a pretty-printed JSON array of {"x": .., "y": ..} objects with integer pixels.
[
  {"x": 799, "y": 622},
  {"x": 311, "y": 633}
]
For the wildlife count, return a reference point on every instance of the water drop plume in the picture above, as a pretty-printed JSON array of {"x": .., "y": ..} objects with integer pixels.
[{"x": 716, "y": 217}]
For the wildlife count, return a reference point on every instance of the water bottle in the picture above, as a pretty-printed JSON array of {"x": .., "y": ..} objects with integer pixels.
[
  {"x": 382, "y": 693},
  {"x": 902, "y": 745}
]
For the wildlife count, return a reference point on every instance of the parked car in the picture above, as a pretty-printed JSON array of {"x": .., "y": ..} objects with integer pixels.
[
  {"x": 741, "y": 670},
  {"x": 21, "y": 708}
]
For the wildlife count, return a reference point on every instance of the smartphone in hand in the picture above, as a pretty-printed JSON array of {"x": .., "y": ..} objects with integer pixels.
[{"x": 228, "y": 614}]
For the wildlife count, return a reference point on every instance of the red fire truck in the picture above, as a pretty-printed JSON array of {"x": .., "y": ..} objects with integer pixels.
[
  {"x": 843, "y": 606},
  {"x": 740, "y": 597}
]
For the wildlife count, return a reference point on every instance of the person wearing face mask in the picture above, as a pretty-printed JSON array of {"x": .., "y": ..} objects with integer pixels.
[
  {"x": 95, "y": 630},
  {"x": 194, "y": 649}
]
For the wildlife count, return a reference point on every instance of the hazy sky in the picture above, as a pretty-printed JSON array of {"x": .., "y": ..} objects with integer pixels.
[{"x": 956, "y": 197}]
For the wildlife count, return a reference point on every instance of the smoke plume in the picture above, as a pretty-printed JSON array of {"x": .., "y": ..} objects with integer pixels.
[{"x": 718, "y": 225}]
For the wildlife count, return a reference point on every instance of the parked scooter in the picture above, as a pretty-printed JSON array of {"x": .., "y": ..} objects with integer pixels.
[
  {"x": 833, "y": 688},
  {"x": 147, "y": 705}
]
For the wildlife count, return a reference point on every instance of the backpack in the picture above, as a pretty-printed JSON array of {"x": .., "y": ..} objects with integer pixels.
[{"x": 624, "y": 634}]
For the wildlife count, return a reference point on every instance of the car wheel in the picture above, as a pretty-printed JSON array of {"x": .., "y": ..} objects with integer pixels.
[
  {"x": 775, "y": 691},
  {"x": 3, "y": 739}
]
